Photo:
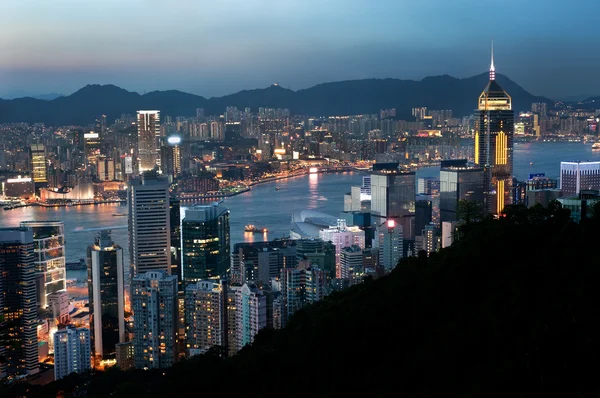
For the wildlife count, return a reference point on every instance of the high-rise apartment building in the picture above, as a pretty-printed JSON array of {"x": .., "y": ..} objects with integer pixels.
[
  {"x": 170, "y": 157},
  {"x": 577, "y": 176},
  {"x": 154, "y": 304},
  {"x": 125, "y": 354},
  {"x": 251, "y": 314},
  {"x": 205, "y": 242},
  {"x": 49, "y": 252},
  {"x": 72, "y": 351},
  {"x": 39, "y": 165},
  {"x": 106, "y": 291},
  {"x": 342, "y": 236},
  {"x": 393, "y": 196},
  {"x": 391, "y": 244},
  {"x": 494, "y": 144},
  {"x": 204, "y": 315},
  {"x": 18, "y": 309},
  {"x": 459, "y": 182},
  {"x": 149, "y": 224},
  {"x": 148, "y": 125}
]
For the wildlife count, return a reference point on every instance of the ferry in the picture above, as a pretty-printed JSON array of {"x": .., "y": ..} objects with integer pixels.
[
  {"x": 596, "y": 146},
  {"x": 119, "y": 214},
  {"x": 254, "y": 229}
]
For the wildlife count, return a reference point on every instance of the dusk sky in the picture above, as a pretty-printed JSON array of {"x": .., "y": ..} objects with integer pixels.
[{"x": 217, "y": 47}]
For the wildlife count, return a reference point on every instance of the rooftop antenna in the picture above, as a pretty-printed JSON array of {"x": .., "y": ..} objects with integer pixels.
[{"x": 492, "y": 67}]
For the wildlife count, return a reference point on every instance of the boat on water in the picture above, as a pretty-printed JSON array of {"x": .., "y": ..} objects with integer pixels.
[
  {"x": 253, "y": 228},
  {"x": 596, "y": 146},
  {"x": 277, "y": 188},
  {"x": 119, "y": 214},
  {"x": 76, "y": 265}
]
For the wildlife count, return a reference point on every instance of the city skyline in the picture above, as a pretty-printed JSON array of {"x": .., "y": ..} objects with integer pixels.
[{"x": 216, "y": 49}]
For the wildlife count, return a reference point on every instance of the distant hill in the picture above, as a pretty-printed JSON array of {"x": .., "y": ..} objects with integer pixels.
[{"x": 337, "y": 98}]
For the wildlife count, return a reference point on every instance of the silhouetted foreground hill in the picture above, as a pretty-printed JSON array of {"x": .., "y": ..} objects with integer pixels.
[
  {"x": 339, "y": 98},
  {"x": 511, "y": 309}
]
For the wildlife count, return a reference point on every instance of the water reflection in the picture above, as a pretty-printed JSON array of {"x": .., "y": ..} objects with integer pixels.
[{"x": 313, "y": 191}]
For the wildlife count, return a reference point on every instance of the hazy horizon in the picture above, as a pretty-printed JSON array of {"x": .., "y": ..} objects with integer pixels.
[{"x": 218, "y": 48}]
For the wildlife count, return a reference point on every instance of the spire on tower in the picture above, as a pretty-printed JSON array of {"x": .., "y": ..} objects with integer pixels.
[{"x": 492, "y": 68}]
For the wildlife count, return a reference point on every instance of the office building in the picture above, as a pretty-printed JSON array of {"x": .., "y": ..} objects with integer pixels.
[
  {"x": 423, "y": 212},
  {"x": 106, "y": 168},
  {"x": 205, "y": 242},
  {"x": 459, "y": 182},
  {"x": 18, "y": 309},
  {"x": 175, "y": 231},
  {"x": 351, "y": 264},
  {"x": 72, "y": 351},
  {"x": 390, "y": 243},
  {"x": 49, "y": 252},
  {"x": 149, "y": 224},
  {"x": 148, "y": 125},
  {"x": 39, "y": 165},
  {"x": 342, "y": 236},
  {"x": 170, "y": 157},
  {"x": 253, "y": 261},
  {"x": 155, "y": 309},
  {"x": 393, "y": 197},
  {"x": 204, "y": 316},
  {"x": 494, "y": 144},
  {"x": 19, "y": 187},
  {"x": 106, "y": 291},
  {"x": 578, "y": 176},
  {"x": 251, "y": 314}
]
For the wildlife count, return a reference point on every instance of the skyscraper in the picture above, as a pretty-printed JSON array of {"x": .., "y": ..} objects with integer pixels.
[
  {"x": 49, "y": 257},
  {"x": 494, "y": 144},
  {"x": 39, "y": 166},
  {"x": 106, "y": 295},
  {"x": 205, "y": 316},
  {"x": 351, "y": 264},
  {"x": 459, "y": 182},
  {"x": 175, "y": 231},
  {"x": 154, "y": 302},
  {"x": 393, "y": 196},
  {"x": 18, "y": 314},
  {"x": 205, "y": 242},
  {"x": 391, "y": 248},
  {"x": 72, "y": 353},
  {"x": 148, "y": 124},
  {"x": 149, "y": 224}
]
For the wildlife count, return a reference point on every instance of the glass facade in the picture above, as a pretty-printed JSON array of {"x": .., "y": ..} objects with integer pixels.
[
  {"x": 494, "y": 146},
  {"x": 205, "y": 243},
  {"x": 459, "y": 184},
  {"x": 49, "y": 254}
]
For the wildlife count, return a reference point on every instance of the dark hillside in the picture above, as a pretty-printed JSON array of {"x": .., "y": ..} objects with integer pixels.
[{"x": 511, "y": 309}]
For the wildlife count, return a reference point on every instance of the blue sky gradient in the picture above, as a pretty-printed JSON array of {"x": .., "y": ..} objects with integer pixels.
[{"x": 216, "y": 47}]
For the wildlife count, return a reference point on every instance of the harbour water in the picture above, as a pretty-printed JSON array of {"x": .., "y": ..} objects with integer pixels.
[{"x": 271, "y": 205}]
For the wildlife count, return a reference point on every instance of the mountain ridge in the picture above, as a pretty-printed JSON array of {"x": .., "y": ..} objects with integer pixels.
[{"x": 349, "y": 97}]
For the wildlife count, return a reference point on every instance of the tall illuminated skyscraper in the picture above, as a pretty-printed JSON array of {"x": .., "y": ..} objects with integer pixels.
[
  {"x": 494, "y": 143},
  {"x": 148, "y": 124},
  {"x": 38, "y": 163}
]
